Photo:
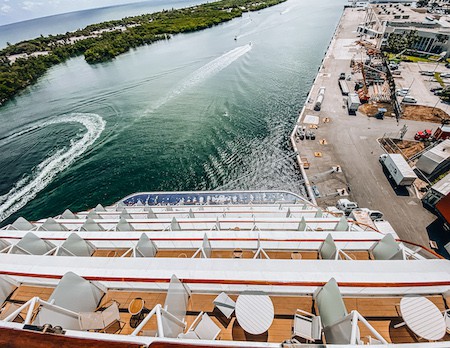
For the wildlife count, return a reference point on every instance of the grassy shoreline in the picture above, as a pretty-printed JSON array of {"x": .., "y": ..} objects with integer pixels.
[{"x": 23, "y": 63}]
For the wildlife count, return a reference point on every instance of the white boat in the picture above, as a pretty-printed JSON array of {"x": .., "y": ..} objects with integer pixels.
[{"x": 217, "y": 269}]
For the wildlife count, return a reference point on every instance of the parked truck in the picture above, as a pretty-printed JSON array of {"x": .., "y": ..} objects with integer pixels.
[
  {"x": 346, "y": 206},
  {"x": 399, "y": 170},
  {"x": 353, "y": 103}
]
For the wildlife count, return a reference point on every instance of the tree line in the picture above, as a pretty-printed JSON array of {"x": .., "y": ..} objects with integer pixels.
[{"x": 120, "y": 37}]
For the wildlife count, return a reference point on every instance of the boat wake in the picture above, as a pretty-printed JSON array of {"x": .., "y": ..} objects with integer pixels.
[
  {"x": 203, "y": 73},
  {"x": 44, "y": 173}
]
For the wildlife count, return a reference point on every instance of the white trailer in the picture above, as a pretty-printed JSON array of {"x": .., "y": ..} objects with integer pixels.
[
  {"x": 319, "y": 99},
  {"x": 353, "y": 103},
  {"x": 398, "y": 168}
]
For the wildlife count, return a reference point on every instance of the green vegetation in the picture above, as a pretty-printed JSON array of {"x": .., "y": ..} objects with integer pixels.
[
  {"x": 438, "y": 78},
  {"x": 408, "y": 58},
  {"x": 400, "y": 42},
  {"x": 104, "y": 41}
]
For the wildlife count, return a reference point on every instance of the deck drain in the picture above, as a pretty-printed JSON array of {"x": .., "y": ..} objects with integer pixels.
[
  {"x": 317, "y": 154},
  {"x": 323, "y": 142},
  {"x": 326, "y": 120}
]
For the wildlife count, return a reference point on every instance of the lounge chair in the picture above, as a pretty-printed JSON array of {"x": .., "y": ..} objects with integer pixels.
[
  {"x": 333, "y": 312},
  {"x": 306, "y": 325},
  {"x": 329, "y": 251},
  {"x": 73, "y": 293},
  {"x": 203, "y": 328},
  {"x": 225, "y": 304},
  {"x": 387, "y": 249},
  {"x": 107, "y": 321}
]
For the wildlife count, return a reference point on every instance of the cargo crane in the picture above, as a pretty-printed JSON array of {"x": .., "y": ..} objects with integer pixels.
[{"x": 363, "y": 92}]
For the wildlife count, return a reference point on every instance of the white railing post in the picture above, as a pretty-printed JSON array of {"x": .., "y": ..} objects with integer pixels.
[
  {"x": 30, "y": 311},
  {"x": 371, "y": 328},
  {"x": 18, "y": 310},
  {"x": 159, "y": 322}
]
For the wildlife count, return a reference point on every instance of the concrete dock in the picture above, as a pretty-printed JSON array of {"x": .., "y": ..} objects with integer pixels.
[{"x": 350, "y": 143}]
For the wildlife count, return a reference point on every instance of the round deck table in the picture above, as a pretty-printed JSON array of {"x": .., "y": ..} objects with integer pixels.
[
  {"x": 423, "y": 317},
  {"x": 254, "y": 313}
]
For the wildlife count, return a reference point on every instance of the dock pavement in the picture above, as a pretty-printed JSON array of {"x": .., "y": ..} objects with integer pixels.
[{"x": 349, "y": 144}]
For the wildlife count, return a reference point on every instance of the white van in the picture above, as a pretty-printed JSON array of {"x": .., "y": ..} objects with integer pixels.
[{"x": 409, "y": 99}]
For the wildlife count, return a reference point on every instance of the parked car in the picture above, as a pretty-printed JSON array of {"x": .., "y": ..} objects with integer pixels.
[
  {"x": 409, "y": 99},
  {"x": 393, "y": 66},
  {"x": 402, "y": 92},
  {"x": 445, "y": 75},
  {"x": 426, "y": 73},
  {"x": 436, "y": 89}
]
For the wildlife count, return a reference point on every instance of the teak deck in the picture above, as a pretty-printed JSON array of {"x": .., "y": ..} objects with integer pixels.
[{"x": 381, "y": 312}]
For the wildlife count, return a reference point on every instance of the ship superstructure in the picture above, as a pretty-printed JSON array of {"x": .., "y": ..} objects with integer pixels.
[{"x": 219, "y": 269}]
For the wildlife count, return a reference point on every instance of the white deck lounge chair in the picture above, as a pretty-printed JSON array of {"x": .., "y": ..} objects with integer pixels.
[
  {"x": 107, "y": 321},
  {"x": 387, "y": 249},
  {"x": 203, "y": 328},
  {"x": 307, "y": 326},
  {"x": 225, "y": 304},
  {"x": 73, "y": 293}
]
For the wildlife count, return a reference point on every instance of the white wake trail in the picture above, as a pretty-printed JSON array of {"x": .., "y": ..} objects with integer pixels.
[
  {"x": 204, "y": 73},
  {"x": 44, "y": 173}
]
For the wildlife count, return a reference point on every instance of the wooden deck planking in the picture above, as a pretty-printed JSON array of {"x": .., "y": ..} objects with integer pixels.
[
  {"x": 378, "y": 310},
  {"x": 25, "y": 293},
  {"x": 111, "y": 253},
  {"x": 228, "y": 253}
]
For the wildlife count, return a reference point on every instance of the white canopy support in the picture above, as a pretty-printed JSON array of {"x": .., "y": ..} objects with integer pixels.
[
  {"x": 319, "y": 213},
  {"x": 288, "y": 213},
  {"x": 191, "y": 214},
  {"x": 260, "y": 253}
]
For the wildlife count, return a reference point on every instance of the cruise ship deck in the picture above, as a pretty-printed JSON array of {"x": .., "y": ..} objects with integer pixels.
[{"x": 220, "y": 269}]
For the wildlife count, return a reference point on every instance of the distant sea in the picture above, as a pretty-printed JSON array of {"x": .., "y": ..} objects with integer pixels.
[{"x": 62, "y": 23}]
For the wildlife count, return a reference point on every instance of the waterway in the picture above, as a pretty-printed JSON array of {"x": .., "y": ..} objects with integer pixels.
[{"x": 199, "y": 112}]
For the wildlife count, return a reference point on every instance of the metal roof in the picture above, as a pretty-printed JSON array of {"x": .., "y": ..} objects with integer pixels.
[{"x": 443, "y": 185}]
